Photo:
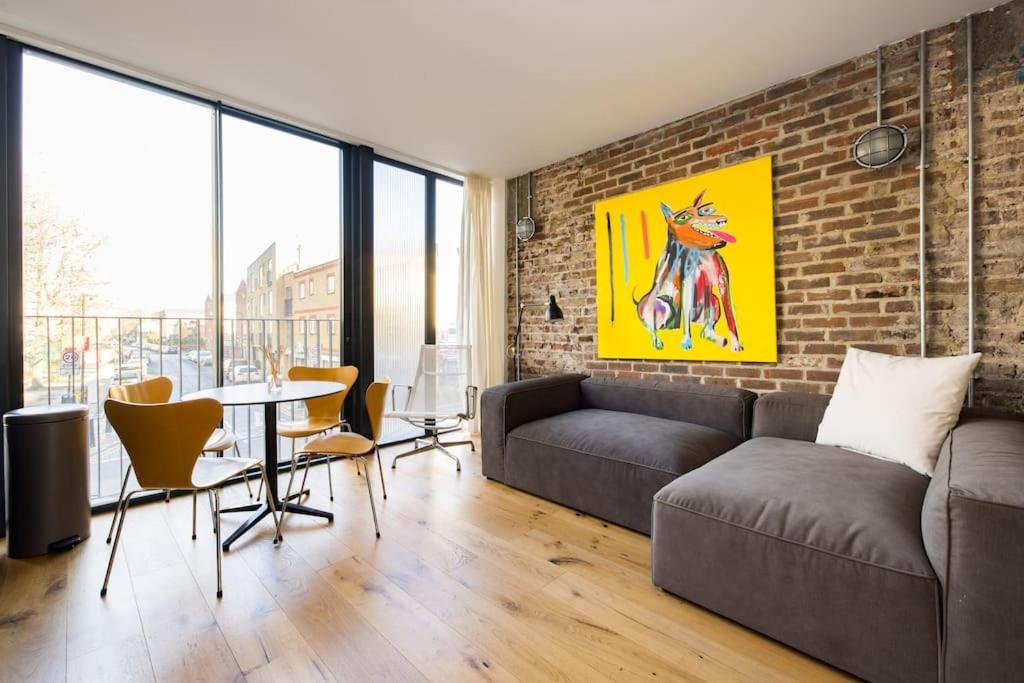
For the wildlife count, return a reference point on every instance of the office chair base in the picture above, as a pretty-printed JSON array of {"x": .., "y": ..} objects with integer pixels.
[{"x": 434, "y": 443}]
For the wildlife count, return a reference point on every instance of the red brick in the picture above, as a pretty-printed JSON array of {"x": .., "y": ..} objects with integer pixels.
[{"x": 845, "y": 236}]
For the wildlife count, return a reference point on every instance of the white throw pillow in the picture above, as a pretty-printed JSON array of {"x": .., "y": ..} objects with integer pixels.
[{"x": 896, "y": 408}]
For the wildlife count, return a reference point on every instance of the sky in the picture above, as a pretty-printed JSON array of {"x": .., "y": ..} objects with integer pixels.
[{"x": 134, "y": 166}]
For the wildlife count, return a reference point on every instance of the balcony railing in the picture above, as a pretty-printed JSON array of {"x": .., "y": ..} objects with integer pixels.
[{"x": 75, "y": 359}]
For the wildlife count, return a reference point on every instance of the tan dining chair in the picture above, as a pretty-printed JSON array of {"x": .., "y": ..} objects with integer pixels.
[
  {"x": 322, "y": 414},
  {"x": 350, "y": 445},
  {"x": 164, "y": 442},
  {"x": 159, "y": 390}
]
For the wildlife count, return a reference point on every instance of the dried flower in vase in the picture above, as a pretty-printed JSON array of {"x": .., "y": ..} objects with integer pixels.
[{"x": 274, "y": 371}]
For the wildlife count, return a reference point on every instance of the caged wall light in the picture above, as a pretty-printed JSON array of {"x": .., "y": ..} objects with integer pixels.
[{"x": 885, "y": 143}]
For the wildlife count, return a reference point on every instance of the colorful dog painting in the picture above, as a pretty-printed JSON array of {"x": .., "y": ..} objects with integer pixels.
[
  {"x": 711, "y": 277},
  {"x": 689, "y": 271}
]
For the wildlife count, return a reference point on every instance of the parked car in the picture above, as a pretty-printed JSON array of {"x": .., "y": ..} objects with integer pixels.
[
  {"x": 200, "y": 357},
  {"x": 169, "y": 350},
  {"x": 128, "y": 374},
  {"x": 244, "y": 373},
  {"x": 134, "y": 356},
  {"x": 231, "y": 363}
]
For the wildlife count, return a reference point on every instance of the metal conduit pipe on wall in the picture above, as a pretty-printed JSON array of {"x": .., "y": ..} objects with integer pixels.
[
  {"x": 970, "y": 199},
  {"x": 515, "y": 236},
  {"x": 923, "y": 94}
]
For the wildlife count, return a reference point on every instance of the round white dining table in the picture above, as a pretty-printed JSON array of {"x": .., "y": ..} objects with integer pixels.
[{"x": 256, "y": 394}]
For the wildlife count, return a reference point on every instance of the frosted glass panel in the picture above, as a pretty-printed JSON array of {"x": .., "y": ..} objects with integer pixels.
[{"x": 399, "y": 263}]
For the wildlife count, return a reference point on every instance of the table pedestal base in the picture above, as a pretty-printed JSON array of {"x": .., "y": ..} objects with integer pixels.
[{"x": 261, "y": 510}]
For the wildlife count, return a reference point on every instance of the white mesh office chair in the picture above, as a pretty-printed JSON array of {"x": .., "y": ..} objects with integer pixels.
[{"x": 440, "y": 400}]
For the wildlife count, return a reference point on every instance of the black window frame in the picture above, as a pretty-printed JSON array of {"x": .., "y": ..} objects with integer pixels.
[{"x": 355, "y": 274}]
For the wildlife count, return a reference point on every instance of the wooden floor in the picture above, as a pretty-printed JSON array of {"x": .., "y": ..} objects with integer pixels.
[{"x": 470, "y": 580}]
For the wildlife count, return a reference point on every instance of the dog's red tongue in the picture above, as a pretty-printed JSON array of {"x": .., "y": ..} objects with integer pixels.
[{"x": 723, "y": 236}]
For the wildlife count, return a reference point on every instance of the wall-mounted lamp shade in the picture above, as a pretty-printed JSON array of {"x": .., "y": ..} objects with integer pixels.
[
  {"x": 552, "y": 311},
  {"x": 880, "y": 146}
]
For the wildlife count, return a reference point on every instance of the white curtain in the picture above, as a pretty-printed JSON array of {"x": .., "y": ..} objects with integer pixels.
[{"x": 481, "y": 321}]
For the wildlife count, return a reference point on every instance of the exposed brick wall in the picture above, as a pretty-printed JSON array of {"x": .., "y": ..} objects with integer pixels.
[{"x": 846, "y": 238}]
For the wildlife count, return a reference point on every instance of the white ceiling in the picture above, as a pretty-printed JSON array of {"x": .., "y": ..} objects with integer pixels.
[{"x": 488, "y": 86}]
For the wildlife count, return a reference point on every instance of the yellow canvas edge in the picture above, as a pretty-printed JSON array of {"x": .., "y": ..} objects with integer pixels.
[{"x": 746, "y": 190}]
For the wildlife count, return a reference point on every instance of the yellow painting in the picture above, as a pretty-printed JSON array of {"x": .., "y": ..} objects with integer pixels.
[{"x": 686, "y": 270}]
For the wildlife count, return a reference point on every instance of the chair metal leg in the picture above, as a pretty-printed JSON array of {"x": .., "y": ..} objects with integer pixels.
[
  {"x": 458, "y": 463},
  {"x": 238, "y": 454},
  {"x": 284, "y": 501},
  {"x": 421, "y": 449},
  {"x": 216, "y": 507},
  {"x": 373, "y": 506},
  {"x": 167, "y": 495},
  {"x": 195, "y": 495},
  {"x": 431, "y": 444},
  {"x": 120, "y": 498},
  {"x": 330, "y": 482},
  {"x": 472, "y": 446},
  {"x": 213, "y": 513},
  {"x": 117, "y": 540},
  {"x": 305, "y": 475},
  {"x": 380, "y": 468}
]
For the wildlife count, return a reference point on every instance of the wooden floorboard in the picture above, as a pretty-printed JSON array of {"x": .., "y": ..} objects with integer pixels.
[{"x": 470, "y": 580}]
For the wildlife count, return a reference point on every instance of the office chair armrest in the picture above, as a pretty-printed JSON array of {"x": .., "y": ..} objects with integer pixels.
[
  {"x": 394, "y": 387},
  {"x": 471, "y": 396}
]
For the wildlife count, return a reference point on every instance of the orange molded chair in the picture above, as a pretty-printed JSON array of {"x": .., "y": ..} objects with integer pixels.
[
  {"x": 156, "y": 390},
  {"x": 159, "y": 390},
  {"x": 351, "y": 445},
  {"x": 164, "y": 442},
  {"x": 322, "y": 414}
]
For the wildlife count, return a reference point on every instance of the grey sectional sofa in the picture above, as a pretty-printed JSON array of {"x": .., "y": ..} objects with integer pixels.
[
  {"x": 606, "y": 446},
  {"x": 863, "y": 563}
]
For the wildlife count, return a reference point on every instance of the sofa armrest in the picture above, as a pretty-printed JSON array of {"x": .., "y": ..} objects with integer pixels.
[
  {"x": 973, "y": 527},
  {"x": 506, "y": 406},
  {"x": 789, "y": 415}
]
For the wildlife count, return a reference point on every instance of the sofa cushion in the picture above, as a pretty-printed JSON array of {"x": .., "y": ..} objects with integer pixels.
[
  {"x": 909, "y": 404},
  {"x": 607, "y": 463},
  {"x": 815, "y": 546},
  {"x": 972, "y": 522},
  {"x": 726, "y": 409},
  {"x": 789, "y": 415}
]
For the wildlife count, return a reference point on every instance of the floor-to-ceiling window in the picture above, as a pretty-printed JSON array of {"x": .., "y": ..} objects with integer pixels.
[
  {"x": 282, "y": 273},
  {"x": 142, "y": 205},
  {"x": 117, "y": 225}
]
